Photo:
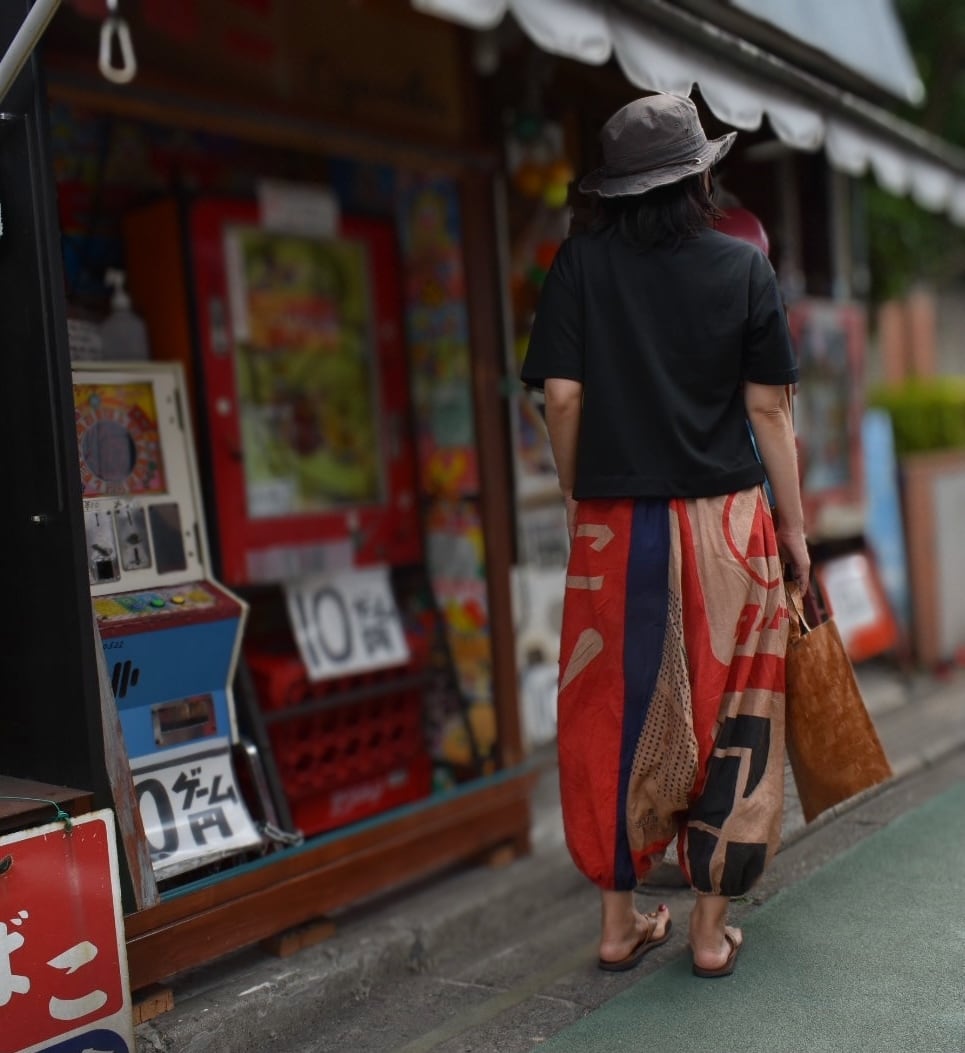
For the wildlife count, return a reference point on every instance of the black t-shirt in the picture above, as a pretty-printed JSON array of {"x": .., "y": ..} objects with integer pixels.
[{"x": 662, "y": 340}]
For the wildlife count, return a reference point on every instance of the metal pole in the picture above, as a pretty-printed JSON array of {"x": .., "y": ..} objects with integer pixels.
[{"x": 22, "y": 46}]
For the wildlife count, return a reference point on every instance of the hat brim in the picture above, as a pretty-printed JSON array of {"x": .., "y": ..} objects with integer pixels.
[{"x": 600, "y": 182}]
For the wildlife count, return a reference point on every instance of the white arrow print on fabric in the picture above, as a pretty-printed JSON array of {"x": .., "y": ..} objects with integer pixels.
[
  {"x": 600, "y": 532},
  {"x": 588, "y": 646},
  {"x": 602, "y": 536}
]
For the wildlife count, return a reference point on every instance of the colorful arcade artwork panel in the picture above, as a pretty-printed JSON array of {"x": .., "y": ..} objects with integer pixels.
[
  {"x": 304, "y": 369},
  {"x": 117, "y": 436}
]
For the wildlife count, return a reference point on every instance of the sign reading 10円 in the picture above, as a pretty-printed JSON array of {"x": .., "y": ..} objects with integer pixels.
[
  {"x": 63, "y": 963},
  {"x": 347, "y": 622}
]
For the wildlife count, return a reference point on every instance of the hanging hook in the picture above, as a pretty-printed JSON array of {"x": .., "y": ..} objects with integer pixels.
[{"x": 115, "y": 26}]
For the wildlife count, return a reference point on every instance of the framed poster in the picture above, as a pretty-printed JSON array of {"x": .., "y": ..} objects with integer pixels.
[
  {"x": 857, "y": 600},
  {"x": 306, "y": 386},
  {"x": 829, "y": 339}
]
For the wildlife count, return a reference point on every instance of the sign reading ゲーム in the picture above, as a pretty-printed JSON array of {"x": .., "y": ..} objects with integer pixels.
[{"x": 63, "y": 965}]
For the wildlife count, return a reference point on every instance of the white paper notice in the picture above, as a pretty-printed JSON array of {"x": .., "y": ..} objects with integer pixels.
[
  {"x": 346, "y": 622},
  {"x": 192, "y": 810},
  {"x": 298, "y": 208}
]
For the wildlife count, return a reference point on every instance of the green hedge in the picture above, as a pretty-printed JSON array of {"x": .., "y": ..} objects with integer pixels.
[{"x": 926, "y": 414}]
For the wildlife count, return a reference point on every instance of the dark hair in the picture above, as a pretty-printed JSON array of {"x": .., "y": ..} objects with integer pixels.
[{"x": 662, "y": 216}]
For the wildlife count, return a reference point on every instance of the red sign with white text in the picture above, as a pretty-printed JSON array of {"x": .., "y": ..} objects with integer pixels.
[{"x": 63, "y": 964}]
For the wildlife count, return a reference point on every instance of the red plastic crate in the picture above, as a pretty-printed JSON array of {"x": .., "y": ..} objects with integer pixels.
[
  {"x": 317, "y": 812},
  {"x": 349, "y": 759},
  {"x": 348, "y": 743}
]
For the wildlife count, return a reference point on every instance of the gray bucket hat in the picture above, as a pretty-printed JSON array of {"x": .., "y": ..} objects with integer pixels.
[{"x": 651, "y": 142}]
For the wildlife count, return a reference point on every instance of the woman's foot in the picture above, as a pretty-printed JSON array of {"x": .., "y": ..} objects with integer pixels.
[
  {"x": 714, "y": 943},
  {"x": 623, "y": 946},
  {"x": 715, "y": 955}
]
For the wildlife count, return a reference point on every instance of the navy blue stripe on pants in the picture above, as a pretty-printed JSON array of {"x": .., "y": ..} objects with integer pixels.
[{"x": 644, "y": 631}]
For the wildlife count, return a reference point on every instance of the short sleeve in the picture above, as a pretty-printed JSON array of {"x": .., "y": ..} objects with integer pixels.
[
  {"x": 556, "y": 340},
  {"x": 768, "y": 354}
]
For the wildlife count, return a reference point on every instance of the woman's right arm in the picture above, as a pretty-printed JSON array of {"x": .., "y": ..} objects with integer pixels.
[
  {"x": 564, "y": 404},
  {"x": 769, "y": 413}
]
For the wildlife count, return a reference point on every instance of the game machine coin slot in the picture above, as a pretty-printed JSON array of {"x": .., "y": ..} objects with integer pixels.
[
  {"x": 302, "y": 384},
  {"x": 171, "y": 633}
]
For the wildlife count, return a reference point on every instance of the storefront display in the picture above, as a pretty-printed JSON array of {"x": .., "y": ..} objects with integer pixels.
[{"x": 332, "y": 385}]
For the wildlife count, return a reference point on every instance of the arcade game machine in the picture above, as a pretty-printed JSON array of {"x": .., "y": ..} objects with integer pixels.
[
  {"x": 170, "y": 633},
  {"x": 302, "y": 390}
]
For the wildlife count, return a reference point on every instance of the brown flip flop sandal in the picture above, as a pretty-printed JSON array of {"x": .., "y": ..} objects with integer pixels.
[
  {"x": 635, "y": 956},
  {"x": 728, "y": 967}
]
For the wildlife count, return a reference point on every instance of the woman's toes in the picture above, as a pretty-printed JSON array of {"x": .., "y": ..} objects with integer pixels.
[{"x": 654, "y": 922}]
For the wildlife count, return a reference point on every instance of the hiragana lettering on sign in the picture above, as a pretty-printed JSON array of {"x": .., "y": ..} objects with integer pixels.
[{"x": 63, "y": 966}]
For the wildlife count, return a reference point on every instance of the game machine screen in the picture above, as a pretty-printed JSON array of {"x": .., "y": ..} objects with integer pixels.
[{"x": 170, "y": 633}]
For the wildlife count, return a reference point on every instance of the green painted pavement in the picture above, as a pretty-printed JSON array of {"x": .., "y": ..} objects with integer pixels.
[{"x": 867, "y": 955}]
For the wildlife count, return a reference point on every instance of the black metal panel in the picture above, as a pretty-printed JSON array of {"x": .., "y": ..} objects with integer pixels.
[{"x": 50, "y": 725}]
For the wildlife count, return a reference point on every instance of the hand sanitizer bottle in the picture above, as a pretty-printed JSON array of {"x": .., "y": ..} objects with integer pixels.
[{"x": 123, "y": 333}]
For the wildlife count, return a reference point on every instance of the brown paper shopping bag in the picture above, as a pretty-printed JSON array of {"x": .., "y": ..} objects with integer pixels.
[{"x": 832, "y": 744}]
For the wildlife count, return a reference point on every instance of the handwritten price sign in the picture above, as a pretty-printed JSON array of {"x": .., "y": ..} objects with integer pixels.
[
  {"x": 346, "y": 623},
  {"x": 192, "y": 810}
]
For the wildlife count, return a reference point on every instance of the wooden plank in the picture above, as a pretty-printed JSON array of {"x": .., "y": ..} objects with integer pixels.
[
  {"x": 151, "y": 1002},
  {"x": 126, "y": 809},
  {"x": 433, "y": 818},
  {"x": 197, "y": 927},
  {"x": 501, "y": 856},
  {"x": 294, "y": 940},
  {"x": 255, "y": 124},
  {"x": 19, "y": 814},
  {"x": 492, "y": 437}
]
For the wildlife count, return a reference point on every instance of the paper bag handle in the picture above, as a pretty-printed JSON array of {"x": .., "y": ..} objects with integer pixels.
[{"x": 796, "y": 603}]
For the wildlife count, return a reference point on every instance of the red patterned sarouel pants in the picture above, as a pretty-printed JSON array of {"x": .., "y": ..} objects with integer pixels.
[{"x": 671, "y": 695}]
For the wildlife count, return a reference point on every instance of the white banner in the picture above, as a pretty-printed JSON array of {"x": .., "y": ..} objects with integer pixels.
[
  {"x": 191, "y": 807},
  {"x": 346, "y": 622}
]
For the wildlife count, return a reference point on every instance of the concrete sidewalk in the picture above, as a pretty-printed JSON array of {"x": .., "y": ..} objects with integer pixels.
[
  {"x": 865, "y": 955},
  {"x": 502, "y": 957}
]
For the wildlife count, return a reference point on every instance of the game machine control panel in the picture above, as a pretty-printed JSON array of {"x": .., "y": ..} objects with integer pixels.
[{"x": 171, "y": 635}]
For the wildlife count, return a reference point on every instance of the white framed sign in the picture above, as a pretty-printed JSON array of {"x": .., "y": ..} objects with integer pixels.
[
  {"x": 191, "y": 807},
  {"x": 347, "y": 622}
]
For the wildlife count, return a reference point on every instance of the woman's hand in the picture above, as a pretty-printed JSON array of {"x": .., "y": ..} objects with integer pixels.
[
  {"x": 571, "y": 507},
  {"x": 793, "y": 547}
]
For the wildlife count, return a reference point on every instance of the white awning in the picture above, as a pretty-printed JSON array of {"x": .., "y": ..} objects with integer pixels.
[
  {"x": 592, "y": 30},
  {"x": 864, "y": 35}
]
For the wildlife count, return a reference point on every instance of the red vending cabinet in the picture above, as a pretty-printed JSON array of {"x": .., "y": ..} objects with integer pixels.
[
  {"x": 306, "y": 395},
  {"x": 302, "y": 395}
]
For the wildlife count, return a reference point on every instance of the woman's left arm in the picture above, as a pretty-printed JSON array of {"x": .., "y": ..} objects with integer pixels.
[{"x": 564, "y": 404}]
